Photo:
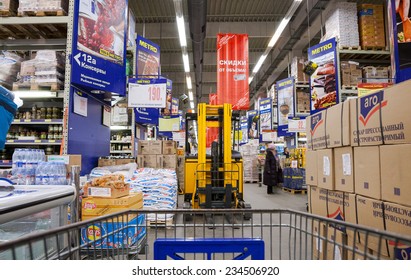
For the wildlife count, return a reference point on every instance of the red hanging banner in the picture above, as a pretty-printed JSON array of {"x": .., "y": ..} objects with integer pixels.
[{"x": 232, "y": 70}]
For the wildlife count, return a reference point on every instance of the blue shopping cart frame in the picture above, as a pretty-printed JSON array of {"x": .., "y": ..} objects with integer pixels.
[{"x": 242, "y": 248}]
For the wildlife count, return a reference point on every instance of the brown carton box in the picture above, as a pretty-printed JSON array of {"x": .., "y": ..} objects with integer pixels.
[
  {"x": 148, "y": 161},
  {"x": 356, "y": 77},
  {"x": 367, "y": 171},
  {"x": 169, "y": 147},
  {"x": 346, "y": 77},
  {"x": 118, "y": 161},
  {"x": 325, "y": 165},
  {"x": 344, "y": 169},
  {"x": 337, "y": 125},
  {"x": 341, "y": 206},
  {"x": 317, "y": 201},
  {"x": 316, "y": 139},
  {"x": 370, "y": 214},
  {"x": 395, "y": 173},
  {"x": 143, "y": 147},
  {"x": 311, "y": 172},
  {"x": 356, "y": 250},
  {"x": 336, "y": 243},
  {"x": 319, "y": 237},
  {"x": 303, "y": 101},
  {"x": 156, "y": 147},
  {"x": 106, "y": 192},
  {"x": 397, "y": 220},
  {"x": 169, "y": 161},
  {"x": 9, "y": 6}
]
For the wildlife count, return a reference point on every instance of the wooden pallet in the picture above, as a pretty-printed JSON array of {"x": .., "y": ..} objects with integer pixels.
[
  {"x": 349, "y": 87},
  {"x": 251, "y": 181},
  {"x": 41, "y": 13},
  {"x": 369, "y": 48},
  {"x": 160, "y": 223},
  {"x": 302, "y": 83},
  {"x": 5, "y": 13},
  {"x": 45, "y": 86},
  {"x": 355, "y": 48},
  {"x": 293, "y": 191}
]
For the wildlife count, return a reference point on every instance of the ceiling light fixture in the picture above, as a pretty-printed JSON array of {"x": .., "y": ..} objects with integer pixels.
[
  {"x": 259, "y": 63},
  {"x": 250, "y": 79},
  {"x": 189, "y": 85},
  {"x": 34, "y": 94},
  {"x": 181, "y": 31},
  {"x": 186, "y": 62},
  {"x": 192, "y": 105},
  {"x": 190, "y": 95}
]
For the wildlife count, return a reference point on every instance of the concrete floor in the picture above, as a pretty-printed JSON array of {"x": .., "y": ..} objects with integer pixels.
[{"x": 259, "y": 199}]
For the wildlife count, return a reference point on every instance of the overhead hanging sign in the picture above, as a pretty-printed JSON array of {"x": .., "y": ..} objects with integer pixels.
[
  {"x": 285, "y": 104},
  {"x": 169, "y": 123},
  {"x": 174, "y": 106},
  {"x": 147, "y": 93},
  {"x": 148, "y": 57},
  {"x": 324, "y": 81},
  {"x": 166, "y": 111},
  {"x": 368, "y": 88},
  {"x": 147, "y": 115},
  {"x": 297, "y": 125},
  {"x": 266, "y": 116},
  {"x": 252, "y": 120},
  {"x": 232, "y": 70},
  {"x": 244, "y": 129},
  {"x": 99, "y": 45}
]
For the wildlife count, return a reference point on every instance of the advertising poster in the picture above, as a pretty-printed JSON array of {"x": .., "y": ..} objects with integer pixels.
[
  {"x": 323, "y": 82},
  {"x": 148, "y": 57},
  {"x": 297, "y": 125},
  {"x": 232, "y": 70},
  {"x": 166, "y": 111},
  {"x": 147, "y": 93},
  {"x": 266, "y": 117},
  {"x": 252, "y": 120},
  {"x": 99, "y": 45},
  {"x": 174, "y": 106},
  {"x": 285, "y": 104},
  {"x": 147, "y": 115},
  {"x": 399, "y": 13},
  {"x": 244, "y": 129},
  {"x": 182, "y": 120}
]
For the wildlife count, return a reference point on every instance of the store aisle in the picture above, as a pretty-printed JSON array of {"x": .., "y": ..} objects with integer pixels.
[{"x": 259, "y": 199}]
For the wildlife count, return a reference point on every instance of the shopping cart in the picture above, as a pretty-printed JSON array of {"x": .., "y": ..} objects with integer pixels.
[{"x": 270, "y": 234}]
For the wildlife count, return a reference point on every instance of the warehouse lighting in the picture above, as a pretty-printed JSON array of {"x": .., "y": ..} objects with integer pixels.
[
  {"x": 278, "y": 32},
  {"x": 250, "y": 79},
  {"x": 188, "y": 78},
  {"x": 190, "y": 95},
  {"x": 192, "y": 105},
  {"x": 181, "y": 31},
  {"x": 186, "y": 63},
  {"x": 259, "y": 63},
  {"x": 34, "y": 94}
]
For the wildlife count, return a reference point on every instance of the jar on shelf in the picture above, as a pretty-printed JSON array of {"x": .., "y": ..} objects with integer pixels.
[
  {"x": 43, "y": 113},
  {"x": 43, "y": 135}
]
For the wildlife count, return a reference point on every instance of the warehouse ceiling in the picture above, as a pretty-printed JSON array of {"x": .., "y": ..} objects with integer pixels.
[{"x": 204, "y": 19}]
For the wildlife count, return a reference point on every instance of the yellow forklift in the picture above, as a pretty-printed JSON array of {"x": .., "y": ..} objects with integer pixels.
[{"x": 214, "y": 180}]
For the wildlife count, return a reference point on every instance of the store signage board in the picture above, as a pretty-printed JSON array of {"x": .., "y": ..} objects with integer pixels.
[
  {"x": 174, "y": 106},
  {"x": 270, "y": 136},
  {"x": 324, "y": 81},
  {"x": 147, "y": 93},
  {"x": 252, "y": 124},
  {"x": 266, "y": 115},
  {"x": 285, "y": 104},
  {"x": 296, "y": 125},
  {"x": 166, "y": 110},
  {"x": 232, "y": 70},
  {"x": 244, "y": 129},
  {"x": 368, "y": 88},
  {"x": 148, "y": 57},
  {"x": 80, "y": 104},
  {"x": 106, "y": 116},
  {"x": 99, "y": 46},
  {"x": 400, "y": 39},
  {"x": 147, "y": 115},
  {"x": 169, "y": 123}
]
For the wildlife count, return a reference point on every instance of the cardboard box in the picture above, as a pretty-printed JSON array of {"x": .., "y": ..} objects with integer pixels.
[
  {"x": 156, "y": 147},
  {"x": 109, "y": 192},
  {"x": 169, "y": 147},
  {"x": 356, "y": 77},
  {"x": 311, "y": 172},
  {"x": 317, "y": 201},
  {"x": 325, "y": 169},
  {"x": 9, "y": 6},
  {"x": 356, "y": 250},
  {"x": 397, "y": 220},
  {"x": 337, "y": 125},
  {"x": 150, "y": 161},
  {"x": 93, "y": 207},
  {"x": 396, "y": 173},
  {"x": 336, "y": 242},
  {"x": 346, "y": 77},
  {"x": 370, "y": 214},
  {"x": 341, "y": 206},
  {"x": 319, "y": 237},
  {"x": 316, "y": 131},
  {"x": 169, "y": 161},
  {"x": 143, "y": 147},
  {"x": 303, "y": 101},
  {"x": 111, "y": 162},
  {"x": 69, "y": 160},
  {"x": 367, "y": 171},
  {"x": 344, "y": 169}
]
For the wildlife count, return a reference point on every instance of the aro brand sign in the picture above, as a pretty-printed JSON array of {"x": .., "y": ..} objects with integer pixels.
[{"x": 370, "y": 105}]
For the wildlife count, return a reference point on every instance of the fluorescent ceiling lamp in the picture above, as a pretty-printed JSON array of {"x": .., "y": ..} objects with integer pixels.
[
  {"x": 250, "y": 79},
  {"x": 188, "y": 78},
  {"x": 190, "y": 95},
  {"x": 119, "y": 127},
  {"x": 186, "y": 63},
  {"x": 192, "y": 105},
  {"x": 34, "y": 94},
  {"x": 259, "y": 63},
  {"x": 181, "y": 31}
]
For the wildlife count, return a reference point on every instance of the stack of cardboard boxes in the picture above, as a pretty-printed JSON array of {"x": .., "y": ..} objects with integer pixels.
[
  {"x": 297, "y": 67},
  {"x": 358, "y": 166},
  {"x": 351, "y": 73},
  {"x": 249, "y": 153},
  {"x": 157, "y": 154},
  {"x": 371, "y": 23},
  {"x": 373, "y": 74}
]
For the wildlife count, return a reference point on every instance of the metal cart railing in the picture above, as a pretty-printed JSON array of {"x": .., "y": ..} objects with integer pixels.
[{"x": 270, "y": 234}]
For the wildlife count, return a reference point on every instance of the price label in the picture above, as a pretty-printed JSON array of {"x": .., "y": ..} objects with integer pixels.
[
  {"x": 52, "y": 141},
  {"x": 47, "y": 120},
  {"x": 37, "y": 141},
  {"x": 27, "y": 120},
  {"x": 10, "y": 141},
  {"x": 147, "y": 93},
  {"x": 16, "y": 121},
  {"x": 296, "y": 125}
]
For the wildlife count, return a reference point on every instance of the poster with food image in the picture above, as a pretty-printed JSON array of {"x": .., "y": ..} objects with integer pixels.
[
  {"x": 266, "y": 116},
  {"x": 399, "y": 13},
  {"x": 323, "y": 82},
  {"x": 169, "y": 99},
  {"x": 148, "y": 57},
  {"x": 285, "y": 104},
  {"x": 102, "y": 27},
  {"x": 252, "y": 119}
]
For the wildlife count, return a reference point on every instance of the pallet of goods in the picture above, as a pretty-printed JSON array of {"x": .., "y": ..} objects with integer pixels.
[
  {"x": 42, "y": 8},
  {"x": 10, "y": 66},
  {"x": 8, "y": 8}
]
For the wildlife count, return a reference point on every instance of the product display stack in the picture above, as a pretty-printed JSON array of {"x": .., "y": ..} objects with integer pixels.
[
  {"x": 297, "y": 66},
  {"x": 351, "y": 73},
  {"x": 249, "y": 152},
  {"x": 157, "y": 154},
  {"x": 159, "y": 187},
  {"x": 371, "y": 23},
  {"x": 106, "y": 195},
  {"x": 358, "y": 168},
  {"x": 40, "y": 7},
  {"x": 342, "y": 23},
  {"x": 10, "y": 66}
]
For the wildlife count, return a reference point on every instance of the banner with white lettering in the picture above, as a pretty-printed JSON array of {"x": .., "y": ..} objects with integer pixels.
[
  {"x": 285, "y": 104},
  {"x": 232, "y": 70},
  {"x": 324, "y": 81},
  {"x": 266, "y": 116},
  {"x": 99, "y": 46}
]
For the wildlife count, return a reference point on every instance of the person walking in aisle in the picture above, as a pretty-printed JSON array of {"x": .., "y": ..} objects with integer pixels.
[{"x": 270, "y": 168}]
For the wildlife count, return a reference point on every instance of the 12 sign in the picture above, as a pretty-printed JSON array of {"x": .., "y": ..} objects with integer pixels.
[
  {"x": 147, "y": 93},
  {"x": 296, "y": 125}
]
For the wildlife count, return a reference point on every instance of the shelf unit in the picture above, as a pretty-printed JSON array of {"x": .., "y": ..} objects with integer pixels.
[
  {"x": 121, "y": 152},
  {"x": 6, "y": 163},
  {"x": 37, "y": 121}
]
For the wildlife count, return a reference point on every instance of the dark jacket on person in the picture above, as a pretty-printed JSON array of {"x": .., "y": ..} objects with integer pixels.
[{"x": 270, "y": 169}]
